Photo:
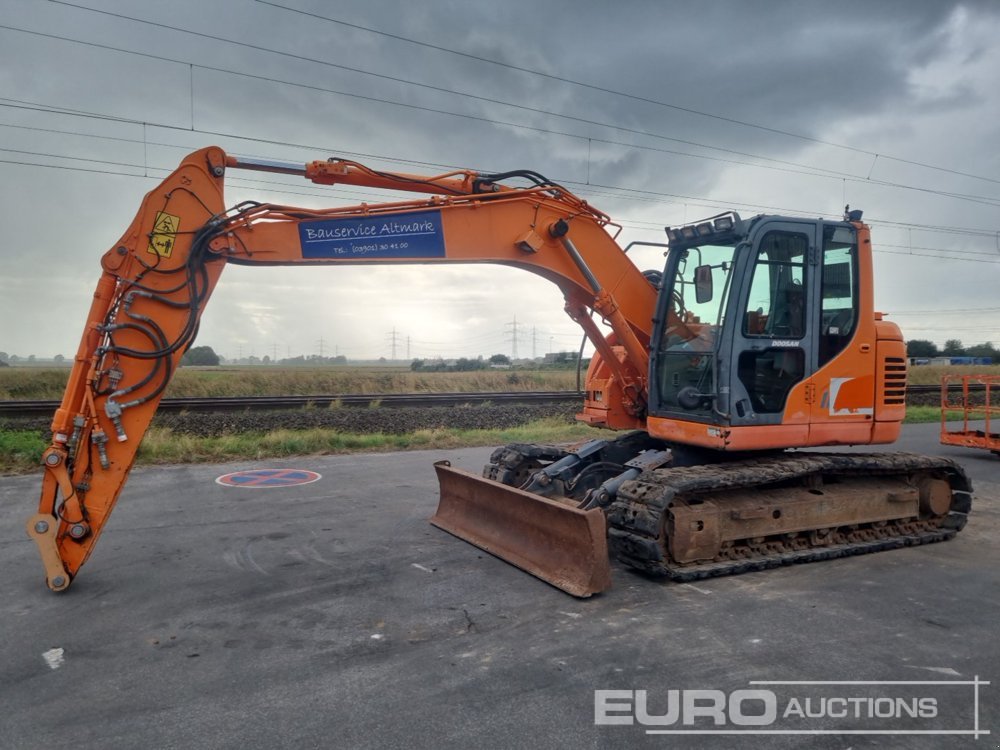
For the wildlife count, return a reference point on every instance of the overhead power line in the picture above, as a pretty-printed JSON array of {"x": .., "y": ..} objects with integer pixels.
[
  {"x": 268, "y": 79},
  {"x": 84, "y": 114},
  {"x": 630, "y": 192},
  {"x": 616, "y": 92},
  {"x": 993, "y": 253},
  {"x": 976, "y": 310},
  {"x": 534, "y": 110},
  {"x": 550, "y": 76},
  {"x": 591, "y": 188},
  {"x": 938, "y": 257},
  {"x": 939, "y": 228},
  {"x": 689, "y": 200},
  {"x": 314, "y": 194}
]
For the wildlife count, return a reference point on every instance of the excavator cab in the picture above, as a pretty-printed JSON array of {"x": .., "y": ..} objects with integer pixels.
[{"x": 753, "y": 329}]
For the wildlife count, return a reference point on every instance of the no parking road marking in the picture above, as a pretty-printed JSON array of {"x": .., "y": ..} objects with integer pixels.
[{"x": 268, "y": 478}]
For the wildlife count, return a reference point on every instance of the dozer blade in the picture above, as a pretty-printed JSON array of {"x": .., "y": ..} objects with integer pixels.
[{"x": 558, "y": 543}]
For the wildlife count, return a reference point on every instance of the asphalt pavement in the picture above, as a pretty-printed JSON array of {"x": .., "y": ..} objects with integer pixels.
[{"x": 332, "y": 615}]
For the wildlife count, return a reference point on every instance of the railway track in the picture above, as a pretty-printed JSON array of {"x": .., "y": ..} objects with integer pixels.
[{"x": 44, "y": 408}]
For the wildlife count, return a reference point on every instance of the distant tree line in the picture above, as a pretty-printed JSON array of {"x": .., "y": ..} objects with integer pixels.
[
  {"x": 206, "y": 356},
  {"x": 6, "y": 360},
  {"x": 952, "y": 348},
  {"x": 200, "y": 356},
  {"x": 311, "y": 360},
  {"x": 461, "y": 364},
  {"x": 556, "y": 361}
]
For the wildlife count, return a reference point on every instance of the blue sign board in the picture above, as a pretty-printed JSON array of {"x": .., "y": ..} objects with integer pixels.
[{"x": 409, "y": 235}]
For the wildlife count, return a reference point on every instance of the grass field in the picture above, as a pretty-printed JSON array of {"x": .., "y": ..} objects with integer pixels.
[
  {"x": 48, "y": 383},
  {"x": 21, "y": 450},
  {"x": 932, "y": 374}
]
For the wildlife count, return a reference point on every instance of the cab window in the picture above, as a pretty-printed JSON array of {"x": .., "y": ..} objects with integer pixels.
[
  {"x": 839, "y": 289},
  {"x": 777, "y": 304}
]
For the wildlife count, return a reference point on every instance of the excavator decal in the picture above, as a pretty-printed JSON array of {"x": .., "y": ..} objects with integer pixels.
[
  {"x": 165, "y": 228},
  {"x": 415, "y": 235},
  {"x": 848, "y": 396}
]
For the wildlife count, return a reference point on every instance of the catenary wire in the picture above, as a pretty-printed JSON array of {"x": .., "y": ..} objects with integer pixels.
[{"x": 820, "y": 172}]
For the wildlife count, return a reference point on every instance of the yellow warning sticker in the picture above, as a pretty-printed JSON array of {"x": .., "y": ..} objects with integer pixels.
[{"x": 164, "y": 234}]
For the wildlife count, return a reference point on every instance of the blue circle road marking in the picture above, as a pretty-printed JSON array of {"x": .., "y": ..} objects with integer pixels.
[{"x": 268, "y": 478}]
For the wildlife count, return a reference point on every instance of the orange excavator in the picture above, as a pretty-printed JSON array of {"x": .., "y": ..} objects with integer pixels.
[{"x": 759, "y": 337}]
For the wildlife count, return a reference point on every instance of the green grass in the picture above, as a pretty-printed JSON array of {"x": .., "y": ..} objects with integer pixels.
[
  {"x": 21, "y": 451},
  {"x": 925, "y": 414},
  {"x": 26, "y": 383},
  {"x": 163, "y": 446}
]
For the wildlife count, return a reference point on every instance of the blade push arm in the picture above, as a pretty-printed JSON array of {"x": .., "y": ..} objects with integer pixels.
[{"x": 158, "y": 277}]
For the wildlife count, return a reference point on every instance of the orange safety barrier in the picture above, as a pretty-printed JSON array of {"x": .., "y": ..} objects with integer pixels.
[{"x": 978, "y": 411}]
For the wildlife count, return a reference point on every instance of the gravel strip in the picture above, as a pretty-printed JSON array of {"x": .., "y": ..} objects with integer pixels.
[{"x": 388, "y": 420}]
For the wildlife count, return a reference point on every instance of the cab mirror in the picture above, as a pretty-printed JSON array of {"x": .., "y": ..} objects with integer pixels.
[{"x": 703, "y": 284}]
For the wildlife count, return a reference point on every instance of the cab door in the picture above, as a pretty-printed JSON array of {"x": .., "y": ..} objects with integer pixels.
[
  {"x": 843, "y": 408},
  {"x": 774, "y": 342}
]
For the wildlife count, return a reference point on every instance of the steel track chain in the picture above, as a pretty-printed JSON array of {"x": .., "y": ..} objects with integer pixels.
[{"x": 636, "y": 517}]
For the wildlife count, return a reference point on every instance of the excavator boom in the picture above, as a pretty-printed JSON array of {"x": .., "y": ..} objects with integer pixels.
[{"x": 158, "y": 277}]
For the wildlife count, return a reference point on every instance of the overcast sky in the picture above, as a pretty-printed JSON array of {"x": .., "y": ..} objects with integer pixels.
[{"x": 688, "y": 109}]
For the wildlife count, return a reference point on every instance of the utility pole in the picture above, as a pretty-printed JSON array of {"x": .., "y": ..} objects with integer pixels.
[
  {"x": 321, "y": 342},
  {"x": 534, "y": 342},
  {"x": 407, "y": 348},
  {"x": 513, "y": 339},
  {"x": 392, "y": 337}
]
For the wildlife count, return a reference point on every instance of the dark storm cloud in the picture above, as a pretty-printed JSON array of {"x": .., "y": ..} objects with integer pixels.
[
  {"x": 909, "y": 79},
  {"x": 793, "y": 66},
  {"x": 751, "y": 61}
]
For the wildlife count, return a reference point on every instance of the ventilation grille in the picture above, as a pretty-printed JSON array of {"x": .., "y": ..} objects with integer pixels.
[{"x": 894, "y": 383}]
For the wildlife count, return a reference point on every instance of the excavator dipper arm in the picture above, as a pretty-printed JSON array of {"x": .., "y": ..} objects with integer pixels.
[{"x": 158, "y": 277}]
